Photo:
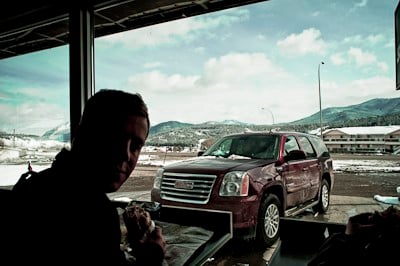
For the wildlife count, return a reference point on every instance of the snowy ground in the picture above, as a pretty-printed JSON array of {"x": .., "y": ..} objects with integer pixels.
[
  {"x": 367, "y": 166},
  {"x": 9, "y": 173}
]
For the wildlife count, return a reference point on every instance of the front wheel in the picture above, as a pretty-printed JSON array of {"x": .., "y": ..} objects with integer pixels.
[
  {"x": 324, "y": 197},
  {"x": 268, "y": 221}
]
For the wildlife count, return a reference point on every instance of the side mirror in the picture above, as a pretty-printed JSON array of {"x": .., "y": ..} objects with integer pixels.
[
  {"x": 295, "y": 155},
  {"x": 325, "y": 154}
]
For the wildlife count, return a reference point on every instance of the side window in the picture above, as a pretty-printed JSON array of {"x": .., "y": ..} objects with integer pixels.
[
  {"x": 307, "y": 147},
  {"x": 291, "y": 144},
  {"x": 319, "y": 146}
]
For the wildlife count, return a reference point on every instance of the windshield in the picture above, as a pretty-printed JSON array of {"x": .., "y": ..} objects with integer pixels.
[{"x": 248, "y": 146}]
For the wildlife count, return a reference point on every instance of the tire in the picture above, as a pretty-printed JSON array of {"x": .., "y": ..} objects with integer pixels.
[
  {"x": 268, "y": 226},
  {"x": 324, "y": 198}
]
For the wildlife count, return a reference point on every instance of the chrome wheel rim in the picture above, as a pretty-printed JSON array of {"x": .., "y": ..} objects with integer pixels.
[
  {"x": 271, "y": 221},
  {"x": 325, "y": 196}
]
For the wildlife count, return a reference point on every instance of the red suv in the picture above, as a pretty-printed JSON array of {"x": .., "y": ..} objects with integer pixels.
[{"x": 257, "y": 176}]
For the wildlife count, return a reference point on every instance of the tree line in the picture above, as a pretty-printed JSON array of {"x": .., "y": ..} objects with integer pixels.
[{"x": 203, "y": 135}]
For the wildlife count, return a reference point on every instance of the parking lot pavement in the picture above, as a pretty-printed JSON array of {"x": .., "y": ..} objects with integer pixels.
[
  {"x": 343, "y": 207},
  {"x": 340, "y": 209}
]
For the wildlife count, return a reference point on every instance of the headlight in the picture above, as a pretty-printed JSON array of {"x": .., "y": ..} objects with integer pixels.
[
  {"x": 235, "y": 184},
  {"x": 157, "y": 179}
]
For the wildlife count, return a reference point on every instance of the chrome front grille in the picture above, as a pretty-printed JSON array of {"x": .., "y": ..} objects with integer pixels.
[{"x": 190, "y": 188}]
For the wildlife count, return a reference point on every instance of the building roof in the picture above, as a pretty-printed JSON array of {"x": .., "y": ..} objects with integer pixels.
[
  {"x": 375, "y": 130},
  {"x": 30, "y": 26}
]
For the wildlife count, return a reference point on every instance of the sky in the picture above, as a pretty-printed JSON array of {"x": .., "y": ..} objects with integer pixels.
[{"x": 256, "y": 64}]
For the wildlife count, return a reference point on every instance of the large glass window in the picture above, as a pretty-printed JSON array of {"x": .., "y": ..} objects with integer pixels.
[
  {"x": 258, "y": 66},
  {"x": 34, "y": 116}
]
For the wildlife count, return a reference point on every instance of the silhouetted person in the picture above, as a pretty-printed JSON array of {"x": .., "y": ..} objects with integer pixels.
[{"x": 62, "y": 215}]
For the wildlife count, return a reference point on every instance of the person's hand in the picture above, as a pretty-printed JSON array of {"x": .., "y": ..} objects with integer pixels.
[
  {"x": 156, "y": 237},
  {"x": 151, "y": 249},
  {"x": 138, "y": 223}
]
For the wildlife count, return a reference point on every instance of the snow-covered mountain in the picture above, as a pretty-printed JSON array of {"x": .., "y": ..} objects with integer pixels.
[
  {"x": 385, "y": 111},
  {"x": 59, "y": 133}
]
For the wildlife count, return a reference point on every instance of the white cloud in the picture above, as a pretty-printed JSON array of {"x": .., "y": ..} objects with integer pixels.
[
  {"x": 358, "y": 91},
  {"x": 238, "y": 77},
  {"x": 376, "y": 38},
  {"x": 358, "y": 5},
  {"x": 307, "y": 42},
  {"x": 369, "y": 40},
  {"x": 155, "y": 35},
  {"x": 383, "y": 66},
  {"x": 183, "y": 29},
  {"x": 239, "y": 67},
  {"x": 389, "y": 43},
  {"x": 31, "y": 118},
  {"x": 360, "y": 57},
  {"x": 355, "y": 39},
  {"x": 233, "y": 86},
  {"x": 337, "y": 59},
  {"x": 239, "y": 85},
  {"x": 363, "y": 3},
  {"x": 158, "y": 82}
]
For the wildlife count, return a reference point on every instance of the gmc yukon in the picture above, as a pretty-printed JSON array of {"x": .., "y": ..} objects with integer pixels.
[{"x": 257, "y": 176}]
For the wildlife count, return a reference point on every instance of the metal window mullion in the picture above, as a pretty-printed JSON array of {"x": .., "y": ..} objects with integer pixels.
[{"x": 81, "y": 49}]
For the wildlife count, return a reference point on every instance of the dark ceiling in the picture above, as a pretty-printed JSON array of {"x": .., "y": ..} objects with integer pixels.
[{"x": 28, "y": 26}]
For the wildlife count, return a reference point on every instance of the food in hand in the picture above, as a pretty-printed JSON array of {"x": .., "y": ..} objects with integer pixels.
[{"x": 138, "y": 223}]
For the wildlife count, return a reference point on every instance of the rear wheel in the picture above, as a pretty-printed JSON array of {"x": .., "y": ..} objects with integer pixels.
[
  {"x": 324, "y": 197},
  {"x": 268, "y": 221}
]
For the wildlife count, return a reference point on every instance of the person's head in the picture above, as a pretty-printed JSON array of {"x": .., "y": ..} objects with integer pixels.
[{"x": 111, "y": 133}]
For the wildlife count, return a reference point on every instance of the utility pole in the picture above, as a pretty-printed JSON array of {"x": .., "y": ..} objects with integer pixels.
[{"x": 320, "y": 106}]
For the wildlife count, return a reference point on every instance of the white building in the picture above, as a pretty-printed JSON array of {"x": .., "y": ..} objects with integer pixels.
[{"x": 377, "y": 139}]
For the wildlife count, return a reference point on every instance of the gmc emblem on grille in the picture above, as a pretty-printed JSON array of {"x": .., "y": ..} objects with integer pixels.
[{"x": 184, "y": 184}]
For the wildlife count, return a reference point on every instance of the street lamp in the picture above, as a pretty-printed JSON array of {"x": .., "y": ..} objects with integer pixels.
[
  {"x": 319, "y": 90},
  {"x": 272, "y": 115}
]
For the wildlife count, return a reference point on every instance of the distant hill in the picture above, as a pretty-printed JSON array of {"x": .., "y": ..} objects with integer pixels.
[
  {"x": 60, "y": 133},
  {"x": 374, "y": 112},
  {"x": 372, "y": 108},
  {"x": 166, "y": 126}
]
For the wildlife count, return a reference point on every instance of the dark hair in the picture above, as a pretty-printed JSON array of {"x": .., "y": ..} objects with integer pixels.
[{"x": 106, "y": 109}]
